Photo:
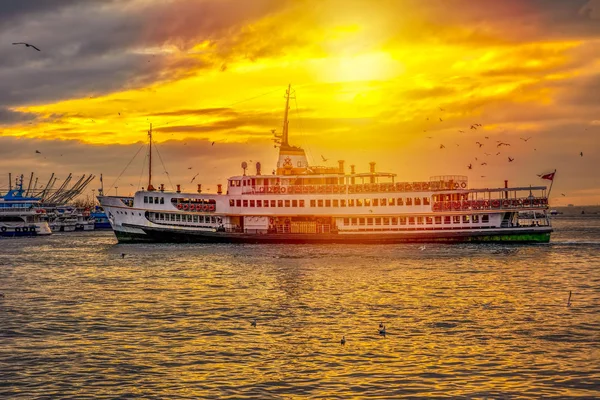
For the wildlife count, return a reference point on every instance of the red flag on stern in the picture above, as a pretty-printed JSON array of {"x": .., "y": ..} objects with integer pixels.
[{"x": 549, "y": 176}]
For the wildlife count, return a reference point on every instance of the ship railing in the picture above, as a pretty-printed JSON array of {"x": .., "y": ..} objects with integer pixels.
[
  {"x": 356, "y": 188},
  {"x": 493, "y": 204},
  {"x": 21, "y": 209}
]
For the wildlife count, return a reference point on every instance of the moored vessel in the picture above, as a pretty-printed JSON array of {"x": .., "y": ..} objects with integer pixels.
[
  {"x": 301, "y": 203},
  {"x": 21, "y": 215}
]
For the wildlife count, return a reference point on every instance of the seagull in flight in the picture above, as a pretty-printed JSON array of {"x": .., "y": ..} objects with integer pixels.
[
  {"x": 429, "y": 137},
  {"x": 470, "y": 166},
  {"x": 461, "y": 131},
  {"x": 422, "y": 248},
  {"x": 441, "y": 109},
  {"x": 484, "y": 163},
  {"x": 480, "y": 144},
  {"x": 525, "y": 140},
  {"x": 498, "y": 153},
  {"x": 581, "y": 154},
  {"x": 189, "y": 167},
  {"x": 487, "y": 154},
  {"x": 324, "y": 159},
  {"x": 194, "y": 178},
  {"x": 473, "y": 127},
  {"x": 442, "y": 146},
  {"x": 213, "y": 143},
  {"x": 38, "y": 152},
  {"x": 26, "y": 45},
  {"x": 441, "y": 120},
  {"x": 562, "y": 194},
  {"x": 511, "y": 159}
]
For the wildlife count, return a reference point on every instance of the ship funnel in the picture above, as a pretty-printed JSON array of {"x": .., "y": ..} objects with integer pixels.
[
  {"x": 341, "y": 166},
  {"x": 372, "y": 171},
  {"x": 199, "y": 188},
  {"x": 506, "y": 187},
  {"x": 352, "y": 172},
  {"x": 178, "y": 188},
  {"x": 219, "y": 188},
  {"x": 162, "y": 187},
  {"x": 352, "y": 169},
  {"x": 257, "y": 168}
]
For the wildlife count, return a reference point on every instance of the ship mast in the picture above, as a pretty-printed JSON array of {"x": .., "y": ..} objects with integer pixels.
[
  {"x": 150, "y": 187},
  {"x": 284, "y": 136}
]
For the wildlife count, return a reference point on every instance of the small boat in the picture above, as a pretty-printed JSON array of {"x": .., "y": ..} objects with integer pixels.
[
  {"x": 100, "y": 218},
  {"x": 21, "y": 215}
]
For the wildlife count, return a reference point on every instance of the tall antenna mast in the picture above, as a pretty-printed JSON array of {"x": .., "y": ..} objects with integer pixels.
[
  {"x": 150, "y": 187},
  {"x": 284, "y": 136}
]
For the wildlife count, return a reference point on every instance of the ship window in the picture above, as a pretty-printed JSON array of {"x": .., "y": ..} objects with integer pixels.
[
  {"x": 438, "y": 220},
  {"x": 238, "y": 203},
  {"x": 350, "y": 202},
  {"x": 343, "y": 203},
  {"x": 195, "y": 218},
  {"x": 386, "y": 220},
  {"x": 327, "y": 203},
  {"x": 456, "y": 219},
  {"x": 485, "y": 219},
  {"x": 426, "y": 201},
  {"x": 417, "y": 201},
  {"x": 361, "y": 221},
  {"x": 313, "y": 203},
  {"x": 258, "y": 203},
  {"x": 367, "y": 202},
  {"x": 465, "y": 219},
  {"x": 402, "y": 221},
  {"x": 266, "y": 203},
  {"x": 370, "y": 221},
  {"x": 320, "y": 203},
  {"x": 377, "y": 221},
  {"x": 375, "y": 202},
  {"x": 384, "y": 202},
  {"x": 346, "y": 221},
  {"x": 359, "y": 202},
  {"x": 429, "y": 220},
  {"x": 145, "y": 199},
  {"x": 178, "y": 218},
  {"x": 400, "y": 201},
  {"x": 354, "y": 220},
  {"x": 213, "y": 220},
  {"x": 411, "y": 220},
  {"x": 245, "y": 203},
  {"x": 447, "y": 219},
  {"x": 252, "y": 203},
  {"x": 280, "y": 203},
  {"x": 150, "y": 200},
  {"x": 420, "y": 220},
  {"x": 475, "y": 219},
  {"x": 408, "y": 201},
  {"x": 156, "y": 200},
  {"x": 336, "y": 203},
  {"x": 301, "y": 203},
  {"x": 231, "y": 202},
  {"x": 394, "y": 221},
  {"x": 273, "y": 204},
  {"x": 299, "y": 164},
  {"x": 392, "y": 201},
  {"x": 287, "y": 203}
]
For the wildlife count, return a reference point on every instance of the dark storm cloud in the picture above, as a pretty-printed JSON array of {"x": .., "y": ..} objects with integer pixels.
[
  {"x": 98, "y": 47},
  {"x": 15, "y": 117}
]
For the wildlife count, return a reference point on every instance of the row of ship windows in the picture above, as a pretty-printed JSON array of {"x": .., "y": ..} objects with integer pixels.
[
  {"x": 438, "y": 220},
  {"x": 154, "y": 200},
  {"x": 183, "y": 218},
  {"x": 417, "y": 201}
]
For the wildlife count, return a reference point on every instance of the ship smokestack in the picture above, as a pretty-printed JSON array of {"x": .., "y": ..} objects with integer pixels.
[
  {"x": 257, "y": 168},
  {"x": 219, "y": 189},
  {"x": 199, "y": 188},
  {"x": 341, "y": 166},
  {"x": 506, "y": 187},
  {"x": 352, "y": 172},
  {"x": 178, "y": 188},
  {"x": 372, "y": 171}
]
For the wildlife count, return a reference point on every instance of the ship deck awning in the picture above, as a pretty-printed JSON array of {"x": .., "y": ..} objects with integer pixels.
[
  {"x": 374, "y": 174},
  {"x": 492, "y": 190}
]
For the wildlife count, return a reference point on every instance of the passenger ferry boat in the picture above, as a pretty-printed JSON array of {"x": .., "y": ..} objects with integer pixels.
[
  {"x": 300, "y": 203},
  {"x": 21, "y": 215}
]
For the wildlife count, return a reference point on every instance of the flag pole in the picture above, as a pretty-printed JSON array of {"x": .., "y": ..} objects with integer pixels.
[{"x": 550, "y": 190}]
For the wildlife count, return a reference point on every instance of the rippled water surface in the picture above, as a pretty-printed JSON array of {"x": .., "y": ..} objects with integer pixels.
[{"x": 174, "y": 321}]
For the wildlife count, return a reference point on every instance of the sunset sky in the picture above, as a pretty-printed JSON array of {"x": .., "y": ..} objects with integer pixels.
[{"x": 385, "y": 81}]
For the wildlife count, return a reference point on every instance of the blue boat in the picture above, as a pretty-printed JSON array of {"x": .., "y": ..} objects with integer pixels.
[
  {"x": 100, "y": 218},
  {"x": 21, "y": 215}
]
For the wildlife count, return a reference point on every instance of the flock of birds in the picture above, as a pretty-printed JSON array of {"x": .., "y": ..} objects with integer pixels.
[{"x": 482, "y": 143}]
